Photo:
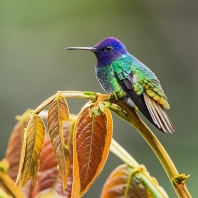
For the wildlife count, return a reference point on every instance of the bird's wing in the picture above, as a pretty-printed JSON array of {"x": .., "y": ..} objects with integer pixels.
[{"x": 143, "y": 87}]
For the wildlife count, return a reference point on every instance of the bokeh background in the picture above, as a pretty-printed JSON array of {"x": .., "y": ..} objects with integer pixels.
[{"x": 163, "y": 35}]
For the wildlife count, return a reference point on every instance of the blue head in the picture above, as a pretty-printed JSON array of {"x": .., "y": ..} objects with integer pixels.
[{"x": 106, "y": 51}]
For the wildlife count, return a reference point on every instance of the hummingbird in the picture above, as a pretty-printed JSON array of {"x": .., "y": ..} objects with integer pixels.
[{"x": 121, "y": 73}]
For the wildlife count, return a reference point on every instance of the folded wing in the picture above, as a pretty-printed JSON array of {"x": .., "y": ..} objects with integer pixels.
[{"x": 143, "y": 87}]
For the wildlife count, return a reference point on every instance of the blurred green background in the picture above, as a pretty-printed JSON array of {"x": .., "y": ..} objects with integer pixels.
[{"x": 163, "y": 35}]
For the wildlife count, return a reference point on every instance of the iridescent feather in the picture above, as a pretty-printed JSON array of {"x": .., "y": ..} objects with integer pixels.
[
  {"x": 134, "y": 76},
  {"x": 120, "y": 72}
]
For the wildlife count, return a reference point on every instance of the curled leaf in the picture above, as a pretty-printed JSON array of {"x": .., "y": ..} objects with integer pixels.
[
  {"x": 123, "y": 182},
  {"x": 91, "y": 140},
  {"x": 34, "y": 136},
  {"x": 126, "y": 181},
  {"x": 13, "y": 151},
  {"x": 21, "y": 163},
  {"x": 58, "y": 113},
  {"x": 48, "y": 180}
]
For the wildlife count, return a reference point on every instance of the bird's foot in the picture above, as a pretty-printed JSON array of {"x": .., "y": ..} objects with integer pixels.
[{"x": 113, "y": 96}]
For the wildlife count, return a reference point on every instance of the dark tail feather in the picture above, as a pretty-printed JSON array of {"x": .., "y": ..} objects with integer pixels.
[
  {"x": 140, "y": 103},
  {"x": 158, "y": 114}
]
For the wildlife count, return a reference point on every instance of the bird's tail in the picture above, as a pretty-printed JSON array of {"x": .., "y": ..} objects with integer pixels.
[
  {"x": 158, "y": 115},
  {"x": 152, "y": 111}
]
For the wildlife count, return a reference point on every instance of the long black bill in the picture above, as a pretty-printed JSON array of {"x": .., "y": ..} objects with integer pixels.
[{"x": 82, "y": 48}]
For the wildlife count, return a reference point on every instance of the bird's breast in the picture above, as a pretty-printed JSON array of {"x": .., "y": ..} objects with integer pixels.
[{"x": 107, "y": 80}]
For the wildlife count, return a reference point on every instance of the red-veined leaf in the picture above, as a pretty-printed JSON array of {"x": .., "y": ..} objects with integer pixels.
[
  {"x": 14, "y": 148},
  {"x": 58, "y": 113},
  {"x": 123, "y": 182},
  {"x": 48, "y": 181},
  {"x": 48, "y": 178},
  {"x": 91, "y": 139},
  {"x": 13, "y": 151}
]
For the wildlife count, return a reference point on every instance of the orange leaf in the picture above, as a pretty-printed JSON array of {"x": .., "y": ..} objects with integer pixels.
[
  {"x": 58, "y": 113},
  {"x": 48, "y": 179},
  {"x": 123, "y": 182},
  {"x": 13, "y": 151},
  {"x": 32, "y": 145},
  {"x": 91, "y": 139}
]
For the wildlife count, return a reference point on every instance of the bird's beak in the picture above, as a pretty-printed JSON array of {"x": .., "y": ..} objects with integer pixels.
[{"x": 82, "y": 48}]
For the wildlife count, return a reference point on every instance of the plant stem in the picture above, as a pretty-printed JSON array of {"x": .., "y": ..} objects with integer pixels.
[
  {"x": 155, "y": 145},
  {"x": 121, "y": 153},
  {"x": 9, "y": 185},
  {"x": 116, "y": 149},
  {"x": 66, "y": 94},
  {"x": 74, "y": 94},
  {"x": 128, "y": 114}
]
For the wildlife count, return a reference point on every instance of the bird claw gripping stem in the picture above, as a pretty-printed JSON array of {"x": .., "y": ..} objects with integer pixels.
[{"x": 113, "y": 96}]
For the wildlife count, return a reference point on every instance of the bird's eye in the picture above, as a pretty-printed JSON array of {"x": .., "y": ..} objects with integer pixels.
[{"x": 108, "y": 48}]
